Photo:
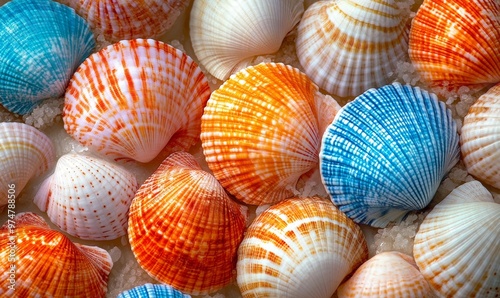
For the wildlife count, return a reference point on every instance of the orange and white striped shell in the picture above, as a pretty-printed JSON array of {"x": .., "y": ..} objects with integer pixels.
[
  {"x": 457, "y": 246},
  {"x": 350, "y": 46},
  {"x": 455, "y": 43},
  {"x": 88, "y": 197},
  {"x": 300, "y": 247},
  {"x": 480, "y": 138},
  {"x": 47, "y": 263},
  {"x": 389, "y": 274},
  {"x": 261, "y": 131},
  {"x": 134, "y": 98},
  {"x": 184, "y": 230}
]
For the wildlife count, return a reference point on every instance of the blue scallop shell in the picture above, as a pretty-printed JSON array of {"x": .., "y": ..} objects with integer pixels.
[
  {"x": 42, "y": 43},
  {"x": 386, "y": 153},
  {"x": 153, "y": 291}
]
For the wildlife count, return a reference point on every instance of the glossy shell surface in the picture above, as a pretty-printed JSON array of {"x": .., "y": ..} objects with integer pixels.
[{"x": 153, "y": 291}]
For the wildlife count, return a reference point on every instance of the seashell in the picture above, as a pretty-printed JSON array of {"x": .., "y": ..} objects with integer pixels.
[
  {"x": 134, "y": 98},
  {"x": 457, "y": 245},
  {"x": 300, "y": 247},
  {"x": 25, "y": 153},
  {"x": 387, "y": 274},
  {"x": 184, "y": 230},
  {"x": 88, "y": 197},
  {"x": 480, "y": 138},
  {"x": 455, "y": 43},
  {"x": 47, "y": 263},
  {"x": 386, "y": 153},
  {"x": 153, "y": 291},
  {"x": 349, "y": 46},
  {"x": 224, "y": 45},
  {"x": 261, "y": 131},
  {"x": 43, "y": 42},
  {"x": 129, "y": 19}
]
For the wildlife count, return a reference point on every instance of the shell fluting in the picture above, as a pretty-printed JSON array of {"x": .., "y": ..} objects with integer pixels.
[
  {"x": 135, "y": 98},
  {"x": 88, "y": 197},
  {"x": 349, "y": 46},
  {"x": 299, "y": 247},
  {"x": 386, "y": 153},
  {"x": 153, "y": 291},
  {"x": 48, "y": 264},
  {"x": 184, "y": 230},
  {"x": 457, "y": 245},
  {"x": 43, "y": 42},
  {"x": 261, "y": 131}
]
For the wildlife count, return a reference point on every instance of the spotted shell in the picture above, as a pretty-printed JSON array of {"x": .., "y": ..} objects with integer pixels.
[
  {"x": 386, "y": 153},
  {"x": 480, "y": 138},
  {"x": 457, "y": 245},
  {"x": 300, "y": 247},
  {"x": 134, "y": 98},
  {"x": 43, "y": 42},
  {"x": 261, "y": 131},
  {"x": 47, "y": 263},
  {"x": 184, "y": 230},
  {"x": 455, "y": 43},
  {"x": 88, "y": 197},
  {"x": 349, "y": 46},
  {"x": 153, "y": 291},
  {"x": 225, "y": 44}
]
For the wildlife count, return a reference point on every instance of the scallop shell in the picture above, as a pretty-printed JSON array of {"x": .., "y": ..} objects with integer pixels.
[
  {"x": 129, "y": 19},
  {"x": 386, "y": 153},
  {"x": 480, "y": 138},
  {"x": 88, "y": 197},
  {"x": 261, "y": 131},
  {"x": 227, "y": 35},
  {"x": 349, "y": 46},
  {"x": 388, "y": 274},
  {"x": 184, "y": 230},
  {"x": 134, "y": 98},
  {"x": 300, "y": 247},
  {"x": 457, "y": 246},
  {"x": 43, "y": 42},
  {"x": 153, "y": 291},
  {"x": 47, "y": 263},
  {"x": 25, "y": 153},
  {"x": 455, "y": 43}
]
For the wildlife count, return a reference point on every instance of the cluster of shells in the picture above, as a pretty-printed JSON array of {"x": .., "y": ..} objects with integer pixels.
[{"x": 320, "y": 149}]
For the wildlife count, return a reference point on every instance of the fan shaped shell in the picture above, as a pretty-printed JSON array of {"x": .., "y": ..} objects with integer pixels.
[
  {"x": 134, "y": 98},
  {"x": 261, "y": 131},
  {"x": 153, "y": 291},
  {"x": 349, "y": 46},
  {"x": 457, "y": 245},
  {"x": 300, "y": 247},
  {"x": 227, "y": 35},
  {"x": 386, "y": 153},
  {"x": 184, "y": 230},
  {"x": 43, "y": 42},
  {"x": 48, "y": 264},
  {"x": 88, "y": 197}
]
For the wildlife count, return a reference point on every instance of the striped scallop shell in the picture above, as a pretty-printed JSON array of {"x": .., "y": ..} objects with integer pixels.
[
  {"x": 184, "y": 230},
  {"x": 388, "y": 274},
  {"x": 457, "y": 246},
  {"x": 128, "y": 19},
  {"x": 261, "y": 131},
  {"x": 88, "y": 197},
  {"x": 300, "y": 247},
  {"x": 349, "y": 46},
  {"x": 153, "y": 291},
  {"x": 386, "y": 153},
  {"x": 227, "y": 35},
  {"x": 134, "y": 98},
  {"x": 480, "y": 138},
  {"x": 48, "y": 264},
  {"x": 456, "y": 43},
  {"x": 43, "y": 42},
  {"x": 25, "y": 153}
]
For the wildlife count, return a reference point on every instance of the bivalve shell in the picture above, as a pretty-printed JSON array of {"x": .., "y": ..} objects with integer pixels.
[{"x": 153, "y": 291}]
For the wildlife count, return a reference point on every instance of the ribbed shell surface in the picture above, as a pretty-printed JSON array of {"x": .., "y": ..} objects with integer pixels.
[{"x": 152, "y": 291}]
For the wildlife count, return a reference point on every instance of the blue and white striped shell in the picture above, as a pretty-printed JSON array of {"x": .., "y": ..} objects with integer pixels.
[
  {"x": 386, "y": 153},
  {"x": 153, "y": 291},
  {"x": 42, "y": 44}
]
